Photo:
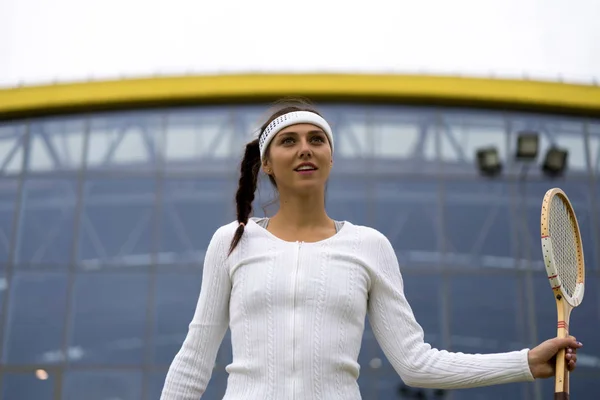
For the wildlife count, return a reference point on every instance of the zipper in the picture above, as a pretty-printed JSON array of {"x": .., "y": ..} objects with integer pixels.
[{"x": 295, "y": 275}]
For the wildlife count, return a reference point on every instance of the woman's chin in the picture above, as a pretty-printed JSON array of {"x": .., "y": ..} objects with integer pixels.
[{"x": 308, "y": 186}]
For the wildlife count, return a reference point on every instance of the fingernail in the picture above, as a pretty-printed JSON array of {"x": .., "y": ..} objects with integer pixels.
[{"x": 580, "y": 344}]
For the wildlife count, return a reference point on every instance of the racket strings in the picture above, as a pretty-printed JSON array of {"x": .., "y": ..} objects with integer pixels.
[{"x": 564, "y": 244}]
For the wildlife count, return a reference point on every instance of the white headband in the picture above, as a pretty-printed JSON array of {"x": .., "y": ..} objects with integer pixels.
[{"x": 292, "y": 118}]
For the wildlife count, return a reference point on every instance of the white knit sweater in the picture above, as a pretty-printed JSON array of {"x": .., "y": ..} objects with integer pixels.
[{"x": 296, "y": 313}]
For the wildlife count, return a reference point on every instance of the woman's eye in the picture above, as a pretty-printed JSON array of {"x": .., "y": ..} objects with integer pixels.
[
  {"x": 318, "y": 139},
  {"x": 287, "y": 141}
]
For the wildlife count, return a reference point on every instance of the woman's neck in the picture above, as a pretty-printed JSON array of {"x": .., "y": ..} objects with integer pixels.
[{"x": 300, "y": 213}]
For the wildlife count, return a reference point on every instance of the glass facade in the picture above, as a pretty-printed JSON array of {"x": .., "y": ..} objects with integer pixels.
[{"x": 104, "y": 220}]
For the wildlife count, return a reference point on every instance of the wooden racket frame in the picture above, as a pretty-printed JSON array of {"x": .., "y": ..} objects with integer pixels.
[{"x": 564, "y": 302}]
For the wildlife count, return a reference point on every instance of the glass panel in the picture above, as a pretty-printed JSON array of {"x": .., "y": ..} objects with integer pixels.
[
  {"x": 595, "y": 232},
  {"x": 154, "y": 384},
  {"x": 3, "y": 295},
  {"x": 8, "y": 196},
  {"x": 192, "y": 210},
  {"x": 118, "y": 222},
  {"x": 494, "y": 300},
  {"x": 407, "y": 213},
  {"x": 424, "y": 293},
  {"x": 380, "y": 384},
  {"x": 56, "y": 144},
  {"x": 403, "y": 133},
  {"x": 353, "y": 139},
  {"x": 36, "y": 300},
  {"x": 46, "y": 229},
  {"x": 249, "y": 119},
  {"x": 175, "y": 301},
  {"x": 347, "y": 198},
  {"x": 462, "y": 134},
  {"x": 594, "y": 147},
  {"x": 36, "y": 385},
  {"x": 217, "y": 385},
  {"x": 102, "y": 385},
  {"x": 11, "y": 148},
  {"x": 402, "y": 140},
  {"x": 109, "y": 318},
  {"x": 200, "y": 133},
  {"x": 125, "y": 141},
  {"x": 477, "y": 224}
]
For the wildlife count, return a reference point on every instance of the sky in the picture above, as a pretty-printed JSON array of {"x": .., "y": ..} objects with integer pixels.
[{"x": 67, "y": 40}]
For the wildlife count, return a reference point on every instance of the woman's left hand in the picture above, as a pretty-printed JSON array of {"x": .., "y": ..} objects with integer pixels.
[{"x": 542, "y": 358}]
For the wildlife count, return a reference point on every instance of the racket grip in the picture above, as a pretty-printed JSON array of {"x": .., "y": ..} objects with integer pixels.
[{"x": 562, "y": 373}]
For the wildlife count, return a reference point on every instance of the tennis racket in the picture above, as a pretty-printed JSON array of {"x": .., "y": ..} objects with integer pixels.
[{"x": 563, "y": 255}]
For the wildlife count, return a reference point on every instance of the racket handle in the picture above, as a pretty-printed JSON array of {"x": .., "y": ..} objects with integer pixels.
[{"x": 561, "y": 391}]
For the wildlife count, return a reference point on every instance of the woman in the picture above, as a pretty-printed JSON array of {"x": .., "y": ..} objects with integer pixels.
[{"x": 295, "y": 289}]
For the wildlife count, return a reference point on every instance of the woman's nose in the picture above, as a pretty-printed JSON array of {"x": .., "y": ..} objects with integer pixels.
[{"x": 305, "y": 149}]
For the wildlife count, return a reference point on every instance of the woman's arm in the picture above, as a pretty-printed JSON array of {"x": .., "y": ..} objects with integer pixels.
[
  {"x": 401, "y": 338},
  {"x": 192, "y": 367}
]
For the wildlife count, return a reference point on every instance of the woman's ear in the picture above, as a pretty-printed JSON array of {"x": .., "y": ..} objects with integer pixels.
[{"x": 266, "y": 167}]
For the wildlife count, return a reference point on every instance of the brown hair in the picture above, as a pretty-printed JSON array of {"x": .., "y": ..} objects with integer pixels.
[{"x": 251, "y": 163}]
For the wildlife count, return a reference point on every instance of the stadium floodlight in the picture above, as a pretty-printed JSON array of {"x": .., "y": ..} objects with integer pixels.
[
  {"x": 555, "y": 162},
  {"x": 488, "y": 161},
  {"x": 527, "y": 146}
]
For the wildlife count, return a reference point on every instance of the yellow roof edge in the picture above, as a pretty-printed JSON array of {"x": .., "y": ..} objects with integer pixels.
[{"x": 60, "y": 98}]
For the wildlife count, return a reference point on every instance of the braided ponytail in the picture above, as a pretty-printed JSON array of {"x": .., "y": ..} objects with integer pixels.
[{"x": 244, "y": 197}]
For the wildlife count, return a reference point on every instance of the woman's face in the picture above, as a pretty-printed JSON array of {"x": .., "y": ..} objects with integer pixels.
[{"x": 299, "y": 158}]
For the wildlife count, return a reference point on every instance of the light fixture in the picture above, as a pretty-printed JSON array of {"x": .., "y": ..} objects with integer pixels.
[
  {"x": 41, "y": 374},
  {"x": 527, "y": 146},
  {"x": 555, "y": 162},
  {"x": 488, "y": 161}
]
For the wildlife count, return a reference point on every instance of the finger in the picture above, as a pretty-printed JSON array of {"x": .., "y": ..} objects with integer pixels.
[
  {"x": 571, "y": 365},
  {"x": 564, "y": 343},
  {"x": 577, "y": 343}
]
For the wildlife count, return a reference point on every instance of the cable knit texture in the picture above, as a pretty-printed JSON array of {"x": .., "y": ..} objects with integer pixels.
[{"x": 296, "y": 313}]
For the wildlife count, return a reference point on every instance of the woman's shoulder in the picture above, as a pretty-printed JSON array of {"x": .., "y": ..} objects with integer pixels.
[
  {"x": 366, "y": 230},
  {"x": 367, "y": 235},
  {"x": 228, "y": 230}
]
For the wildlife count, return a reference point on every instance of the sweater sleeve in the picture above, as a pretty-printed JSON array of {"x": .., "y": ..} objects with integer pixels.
[
  {"x": 191, "y": 369},
  {"x": 402, "y": 338}
]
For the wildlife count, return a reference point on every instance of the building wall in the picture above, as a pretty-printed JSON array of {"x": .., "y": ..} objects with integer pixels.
[{"x": 104, "y": 219}]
